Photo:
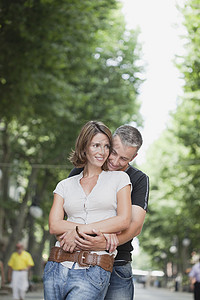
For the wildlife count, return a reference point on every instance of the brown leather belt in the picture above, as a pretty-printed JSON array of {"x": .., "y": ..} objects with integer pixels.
[{"x": 83, "y": 258}]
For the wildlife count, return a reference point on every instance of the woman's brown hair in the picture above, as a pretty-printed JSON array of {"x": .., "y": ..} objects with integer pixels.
[{"x": 88, "y": 131}]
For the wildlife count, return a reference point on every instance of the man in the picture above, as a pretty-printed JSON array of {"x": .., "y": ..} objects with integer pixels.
[
  {"x": 126, "y": 142},
  {"x": 195, "y": 280},
  {"x": 19, "y": 264}
]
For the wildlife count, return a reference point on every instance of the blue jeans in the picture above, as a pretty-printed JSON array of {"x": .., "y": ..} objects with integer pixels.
[
  {"x": 62, "y": 283},
  {"x": 121, "y": 283}
]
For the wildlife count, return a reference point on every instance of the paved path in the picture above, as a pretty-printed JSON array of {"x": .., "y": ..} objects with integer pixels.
[
  {"x": 150, "y": 293},
  {"x": 35, "y": 295},
  {"x": 141, "y": 293}
]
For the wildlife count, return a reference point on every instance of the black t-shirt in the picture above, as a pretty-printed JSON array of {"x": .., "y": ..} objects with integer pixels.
[{"x": 139, "y": 196}]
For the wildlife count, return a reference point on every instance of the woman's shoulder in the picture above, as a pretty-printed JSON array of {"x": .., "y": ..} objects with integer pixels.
[
  {"x": 117, "y": 174},
  {"x": 68, "y": 180}
]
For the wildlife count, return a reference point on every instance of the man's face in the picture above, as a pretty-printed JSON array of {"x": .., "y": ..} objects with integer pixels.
[
  {"x": 120, "y": 156},
  {"x": 19, "y": 248}
]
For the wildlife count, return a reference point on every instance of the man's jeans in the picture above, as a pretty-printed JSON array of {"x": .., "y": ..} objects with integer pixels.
[
  {"x": 62, "y": 283},
  {"x": 121, "y": 283}
]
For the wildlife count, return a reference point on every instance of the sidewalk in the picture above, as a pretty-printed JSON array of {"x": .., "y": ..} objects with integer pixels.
[
  {"x": 34, "y": 295},
  {"x": 149, "y": 293},
  {"x": 154, "y": 293}
]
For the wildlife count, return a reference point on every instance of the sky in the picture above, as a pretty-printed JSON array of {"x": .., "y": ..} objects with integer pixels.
[{"x": 161, "y": 26}]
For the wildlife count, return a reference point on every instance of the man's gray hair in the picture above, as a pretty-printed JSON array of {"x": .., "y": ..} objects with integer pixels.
[{"x": 129, "y": 136}]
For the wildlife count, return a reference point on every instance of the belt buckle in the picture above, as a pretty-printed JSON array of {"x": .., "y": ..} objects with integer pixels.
[{"x": 81, "y": 258}]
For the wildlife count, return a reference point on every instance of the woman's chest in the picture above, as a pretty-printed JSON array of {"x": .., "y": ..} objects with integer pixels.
[
  {"x": 91, "y": 195},
  {"x": 88, "y": 184}
]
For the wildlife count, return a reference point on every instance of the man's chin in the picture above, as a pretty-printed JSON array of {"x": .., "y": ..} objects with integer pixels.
[{"x": 111, "y": 168}]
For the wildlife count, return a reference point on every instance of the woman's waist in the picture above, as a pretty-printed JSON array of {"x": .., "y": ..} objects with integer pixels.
[{"x": 81, "y": 259}]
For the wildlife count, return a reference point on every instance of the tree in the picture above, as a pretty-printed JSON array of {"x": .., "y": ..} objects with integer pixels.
[
  {"x": 174, "y": 201},
  {"x": 62, "y": 65}
]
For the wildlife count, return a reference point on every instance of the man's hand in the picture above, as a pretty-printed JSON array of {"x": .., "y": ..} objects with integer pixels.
[
  {"x": 67, "y": 240},
  {"x": 98, "y": 243},
  {"x": 192, "y": 282}
]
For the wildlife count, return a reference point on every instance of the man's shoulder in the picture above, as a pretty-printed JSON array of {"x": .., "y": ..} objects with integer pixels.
[
  {"x": 26, "y": 253},
  {"x": 136, "y": 174},
  {"x": 68, "y": 180},
  {"x": 75, "y": 171}
]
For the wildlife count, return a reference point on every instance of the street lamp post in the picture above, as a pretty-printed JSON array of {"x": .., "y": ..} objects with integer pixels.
[
  {"x": 185, "y": 242},
  {"x": 180, "y": 261},
  {"x": 175, "y": 262},
  {"x": 174, "y": 250},
  {"x": 35, "y": 213},
  {"x": 35, "y": 210},
  {"x": 163, "y": 256}
]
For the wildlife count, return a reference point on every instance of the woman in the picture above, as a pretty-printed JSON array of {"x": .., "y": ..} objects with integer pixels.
[{"x": 95, "y": 199}]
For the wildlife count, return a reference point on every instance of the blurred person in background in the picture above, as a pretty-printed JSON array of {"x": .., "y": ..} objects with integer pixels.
[
  {"x": 19, "y": 265},
  {"x": 194, "y": 276}
]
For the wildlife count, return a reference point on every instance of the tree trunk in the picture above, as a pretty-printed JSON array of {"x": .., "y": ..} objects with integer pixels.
[
  {"x": 17, "y": 230},
  {"x": 37, "y": 256},
  {"x": 4, "y": 182}
]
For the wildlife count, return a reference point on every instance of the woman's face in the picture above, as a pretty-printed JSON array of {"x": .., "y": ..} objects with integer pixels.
[{"x": 98, "y": 150}]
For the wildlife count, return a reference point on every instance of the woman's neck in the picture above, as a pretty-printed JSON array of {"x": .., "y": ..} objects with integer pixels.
[{"x": 90, "y": 171}]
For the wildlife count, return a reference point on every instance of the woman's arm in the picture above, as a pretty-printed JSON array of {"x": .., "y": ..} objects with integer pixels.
[
  {"x": 57, "y": 224},
  {"x": 117, "y": 223},
  {"x": 112, "y": 241},
  {"x": 114, "y": 224}
]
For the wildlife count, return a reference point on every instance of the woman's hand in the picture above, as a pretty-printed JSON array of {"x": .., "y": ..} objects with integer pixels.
[
  {"x": 91, "y": 243},
  {"x": 97, "y": 243},
  {"x": 111, "y": 241},
  {"x": 67, "y": 240},
  {"x": 72, "y": 241}
]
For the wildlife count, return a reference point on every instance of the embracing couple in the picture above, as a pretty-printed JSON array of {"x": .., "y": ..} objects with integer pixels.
[{"x": 105, "y": 201}]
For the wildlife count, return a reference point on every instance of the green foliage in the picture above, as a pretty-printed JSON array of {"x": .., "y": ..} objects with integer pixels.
[
  {"x": 173, "y": 163},
  {"x": 190, "y": 67},
  {"x": 62, "y": 63}
]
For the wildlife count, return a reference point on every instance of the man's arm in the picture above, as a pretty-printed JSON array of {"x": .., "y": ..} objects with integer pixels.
[
  {"x": 139, "y": 197},
  {"x": 192, "y": 282},
  {"x": 114, "y": 224},
  {"x": 192, "y": 278},
  {"x": 140, "y": 194},
  {"x": 99, "y": 243},
  {"x": 138, "y": 216}
]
